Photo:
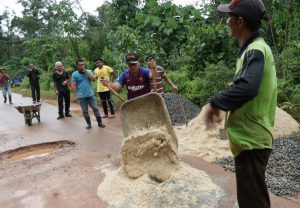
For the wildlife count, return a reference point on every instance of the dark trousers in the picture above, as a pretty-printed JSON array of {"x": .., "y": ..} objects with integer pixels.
[
  {"x": 250, "y": 168},
  {"x": 61, "y": 97},
  {"x": 106, "y": 97},
  {"x": 35, "y": 91}
]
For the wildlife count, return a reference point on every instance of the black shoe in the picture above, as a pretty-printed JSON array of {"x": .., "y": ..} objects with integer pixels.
[
  {"x": 88, "y": 121},
  {"x": 101, "y": 125},
  {"x": 68, "y": 115},
  {"x": 99, "y": 121},
  {"x": 60, "y": 117},
  {"x": 5, "y": 99},
  {"x": 10, "y": 100}
]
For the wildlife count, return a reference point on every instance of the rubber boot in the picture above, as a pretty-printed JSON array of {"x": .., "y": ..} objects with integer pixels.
[
  {"x": 5, "y": 98},
  {"x": 100, "y": 124},
  {"x": 88, "y": 121},
  {"x": 10, "y": 100}
]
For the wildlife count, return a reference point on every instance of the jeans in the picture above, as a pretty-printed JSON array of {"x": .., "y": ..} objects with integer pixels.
[
  {"x": 89, "y": 101},
  {"x": 6, "y": 90},
  {"x": 63, "y": 96},
  {"x": 106, "y": 97},
  {"x": 35, "y": 91}
]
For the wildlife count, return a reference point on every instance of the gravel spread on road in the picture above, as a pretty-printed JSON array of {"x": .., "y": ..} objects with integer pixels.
[{"x": 283, "y": 170}]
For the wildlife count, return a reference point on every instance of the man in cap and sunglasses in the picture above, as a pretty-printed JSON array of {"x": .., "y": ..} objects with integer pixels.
[
  {"x": 251, "y": 100},
  {"x": 136, "y": 78}
]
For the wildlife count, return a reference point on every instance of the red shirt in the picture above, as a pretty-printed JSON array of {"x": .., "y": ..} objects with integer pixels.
[{"x": 3, "y": 79}]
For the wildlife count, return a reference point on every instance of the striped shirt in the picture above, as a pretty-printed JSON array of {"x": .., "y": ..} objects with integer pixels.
[{"x": 160, "y": 73}]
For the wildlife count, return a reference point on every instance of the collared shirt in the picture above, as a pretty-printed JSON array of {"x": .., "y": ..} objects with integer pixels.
[
  {"x": 34, "y": 76},
  {"x": 58, "y": 79},
  {"x": 83, "y": 84}
]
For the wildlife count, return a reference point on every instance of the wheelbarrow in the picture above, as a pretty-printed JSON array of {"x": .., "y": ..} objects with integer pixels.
[
  {"x": 145, "y": 112},
  {"x": 30, "y": 112}
]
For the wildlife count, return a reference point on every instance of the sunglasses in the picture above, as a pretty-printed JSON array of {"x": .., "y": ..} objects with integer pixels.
[{"x": 132, "y": 64}]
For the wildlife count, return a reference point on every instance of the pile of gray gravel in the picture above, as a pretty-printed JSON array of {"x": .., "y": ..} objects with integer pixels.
[
  {"x": 283, "y": 170},
  {"x": 173, "y": 104}
]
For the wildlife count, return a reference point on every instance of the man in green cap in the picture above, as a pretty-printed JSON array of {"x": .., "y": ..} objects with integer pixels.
[{"x": 251, "y": 101}]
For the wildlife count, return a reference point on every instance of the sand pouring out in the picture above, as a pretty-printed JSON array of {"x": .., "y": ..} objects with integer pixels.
[{"x": 149, "y": 151}]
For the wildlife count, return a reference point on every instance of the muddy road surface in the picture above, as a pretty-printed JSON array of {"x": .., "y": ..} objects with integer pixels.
[{"x": 59, "y": 163}]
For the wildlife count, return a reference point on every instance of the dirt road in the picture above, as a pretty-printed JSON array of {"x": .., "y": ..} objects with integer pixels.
[{"x": 68, "y": 176}]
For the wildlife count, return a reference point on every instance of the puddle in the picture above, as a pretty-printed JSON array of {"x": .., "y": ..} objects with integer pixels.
[{"x": 36, "y": 151}]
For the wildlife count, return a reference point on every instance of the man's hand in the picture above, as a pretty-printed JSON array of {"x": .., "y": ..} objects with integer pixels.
[
  {"x": 210, "y": 112},
  {"x": 105, "y": 82},
  {"x": 175, "y": 88},
  {"x": 56, "y": 92},
  {"x": 84, "y": 70},
  {"x": 75, "y": 100},
  {"x": 229, "y": 85}
]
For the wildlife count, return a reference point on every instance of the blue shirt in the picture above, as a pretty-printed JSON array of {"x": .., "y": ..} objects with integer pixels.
[
  {"x": 136, "y": 85},
  {"x": 83, "y": 84}
]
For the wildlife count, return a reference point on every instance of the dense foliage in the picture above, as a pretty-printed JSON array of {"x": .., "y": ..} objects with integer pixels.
[{"x": 192, "y": 44}]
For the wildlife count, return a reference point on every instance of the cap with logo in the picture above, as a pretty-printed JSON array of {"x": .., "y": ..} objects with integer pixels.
[
  {"x": 251, "y": 10},
  {"x": 132, "y": 58}
]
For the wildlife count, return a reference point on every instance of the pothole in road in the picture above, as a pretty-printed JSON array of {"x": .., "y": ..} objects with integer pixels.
[{"x": 36, "y": 151}]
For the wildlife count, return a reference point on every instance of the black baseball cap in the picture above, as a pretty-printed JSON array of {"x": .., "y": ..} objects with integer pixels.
[
  {"x": 251, "y": 10},
  {"x": 132, "y": 58},
  {"x": 150, "y": 57}
]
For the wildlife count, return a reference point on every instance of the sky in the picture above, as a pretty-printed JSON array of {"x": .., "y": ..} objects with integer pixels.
[{"x": 87, "y": 5}]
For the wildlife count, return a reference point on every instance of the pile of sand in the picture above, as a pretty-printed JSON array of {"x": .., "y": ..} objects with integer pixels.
[
  {"x": 285, "y": 124},
  {"x": 196, "y": 140},
  {"x": 152, "y": 176},
  {"x": 186, "y": 187},
  {"x": 149, "y": 151}
]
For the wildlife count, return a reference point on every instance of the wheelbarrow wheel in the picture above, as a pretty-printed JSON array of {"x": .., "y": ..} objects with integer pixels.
[{"x": 28, "y": 122}]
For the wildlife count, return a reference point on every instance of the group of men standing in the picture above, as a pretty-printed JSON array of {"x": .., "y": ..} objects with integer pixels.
[
  {"x": 137, "y": 80},
  {"x": 33, "y": 75}
]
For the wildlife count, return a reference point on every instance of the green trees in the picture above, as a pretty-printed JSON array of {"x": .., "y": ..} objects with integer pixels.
[{"x": 193, "y": 44}]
